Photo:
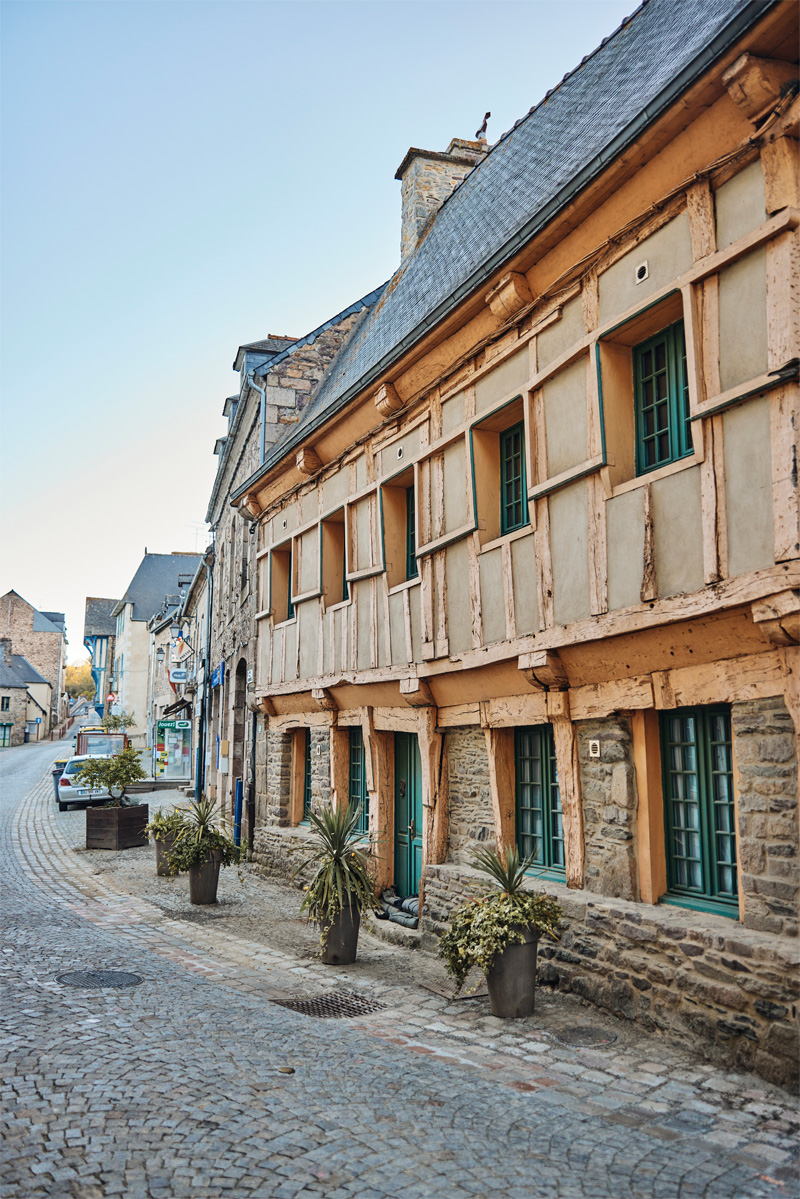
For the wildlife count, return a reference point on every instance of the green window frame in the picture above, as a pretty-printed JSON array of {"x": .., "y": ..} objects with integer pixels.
[
  {"x": 539, "y": 821},
  {"x": 661, "y": 399},
  {"x": 357, "y": 794},
  {"x": 5, "y": 703},
  {"x": 307, "y": 776},
  {"x": 5, "y": 735},
  {"x": 699, "y": 812},
  {"x": 412, "y": 570},
  {"x": 289, "y": 603},
  {"x": 513, "y": 485}
]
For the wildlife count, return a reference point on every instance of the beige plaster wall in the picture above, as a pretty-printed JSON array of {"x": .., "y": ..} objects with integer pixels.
[
  {"x": 394, "y": 456},
  {"x": 455, "y": 486},
  {"x": 308, "y": 546},
  {"x": 492, "y": 603},
  {"x": 667, "y": 252},
  {"x": 748, "y": 486},
  {"x": 625, "y": 517},
  {"x": 308, "y": 632},
  {"x": 459, "y": 618},
  {"x": 739, "y": 205},
  {"x": 504, "y": 379},
  {"x": 556, "y": 339},
  {"x": 335, "y": 490},
  {"x": 678, "y": 533},
  {"x": 565, "y": 417},
  {"x": 743, "y": 319},
  {"x": 569, "y": 549},
  {"x": 523, "y": 567},
  {"x": 453, "y": 413}
]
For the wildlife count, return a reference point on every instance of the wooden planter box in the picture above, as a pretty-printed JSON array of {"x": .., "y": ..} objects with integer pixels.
[{"x": 116, "y": 828}]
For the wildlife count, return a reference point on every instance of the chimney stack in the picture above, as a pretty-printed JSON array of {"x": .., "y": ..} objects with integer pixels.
[
  {"x": 428, "y": 178},
  {"x": 5, "y": 651}
]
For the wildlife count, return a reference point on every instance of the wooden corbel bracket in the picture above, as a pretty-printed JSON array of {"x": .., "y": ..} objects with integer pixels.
[
  {"x": 756, "y": 84},
  {"x": 417, "y": 693},
  {"x": 778, "y": 617},
  {"x": 324, "y": 699},
  {"x": 387, "y": 401},
  {"x": 308, "y": 461},
  {"x": 508, "y": 296},
  {"x": 250, "y": 506},
  {"x": 266, "y": 705},
  {"x": 544, "y": 670}
]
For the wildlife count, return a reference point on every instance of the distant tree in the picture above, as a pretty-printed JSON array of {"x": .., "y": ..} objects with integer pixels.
[
  {"x": 118, "y": 722},
  {"x": 80, "y": 681}
]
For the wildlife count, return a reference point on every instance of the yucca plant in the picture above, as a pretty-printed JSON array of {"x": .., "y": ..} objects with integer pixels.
[
  {"x": 483, "y": 927},
  {"x": 341, "y": 878},
  {"x": 166, "y": 823},
  {"x": 203, "y": 830}
]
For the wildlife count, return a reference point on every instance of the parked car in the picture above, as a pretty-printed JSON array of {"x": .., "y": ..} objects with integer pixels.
[{"x": 70, "y": 789}]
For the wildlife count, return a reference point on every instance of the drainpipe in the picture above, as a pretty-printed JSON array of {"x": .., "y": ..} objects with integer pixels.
[
  {"x": 262, "y": 391},
  {"x": 202, "y": 736}
]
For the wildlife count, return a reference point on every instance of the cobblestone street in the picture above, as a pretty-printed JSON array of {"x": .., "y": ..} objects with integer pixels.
[{"x": 176, "y": 1087}]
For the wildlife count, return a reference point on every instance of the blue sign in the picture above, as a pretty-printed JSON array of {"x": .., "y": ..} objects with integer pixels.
[{"x": 218, "y": 676}]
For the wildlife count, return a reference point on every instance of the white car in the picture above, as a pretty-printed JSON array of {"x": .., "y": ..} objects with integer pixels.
[{"x": 70, "y": 788}]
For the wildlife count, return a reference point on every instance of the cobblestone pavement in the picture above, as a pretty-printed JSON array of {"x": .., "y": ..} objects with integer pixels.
[{"x": 177, "y": 1087}]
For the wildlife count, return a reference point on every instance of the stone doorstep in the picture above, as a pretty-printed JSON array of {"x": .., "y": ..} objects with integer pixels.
[{"x": 394, "y": 934}]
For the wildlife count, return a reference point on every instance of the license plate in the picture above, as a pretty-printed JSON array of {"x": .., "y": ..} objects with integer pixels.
[{"x": 83, "y": 791}]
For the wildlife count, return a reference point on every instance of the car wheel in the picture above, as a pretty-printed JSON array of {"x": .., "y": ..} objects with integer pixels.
[{"x": 62, "y": 807}]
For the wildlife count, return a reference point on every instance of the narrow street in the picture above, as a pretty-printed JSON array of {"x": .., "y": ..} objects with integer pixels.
[{"x": 175, "y": 1086}]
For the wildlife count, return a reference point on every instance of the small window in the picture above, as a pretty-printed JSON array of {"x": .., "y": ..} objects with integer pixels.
[
  {"x": 540, "y": 832},
  {"x": 513, "y": 489},
  {"x": 282, "y": 570},
  {"x": 398, "y": 500},
  {"x": 357, "y": 791},
  {"x": 696, "y": 754},
  {"x": 5, "y": 703},
  {"x": 499, "y": 470},
  {"x": 334, "y": 560},
  {"x": 661, "y": 392}
]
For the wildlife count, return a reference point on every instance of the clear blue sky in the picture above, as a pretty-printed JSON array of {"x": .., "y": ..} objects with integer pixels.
[{"x": 180, "y": 178}]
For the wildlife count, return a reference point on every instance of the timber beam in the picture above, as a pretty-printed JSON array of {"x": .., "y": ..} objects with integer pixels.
[
  {"x": 544, "y": 670},
  {"x": 756, "y": 84},
  {"x": 417, "y": 693},
  {"x": 778, "y": 618},
  {"x": 325, "y": 699},
  {"x": 266, "y": 705}
]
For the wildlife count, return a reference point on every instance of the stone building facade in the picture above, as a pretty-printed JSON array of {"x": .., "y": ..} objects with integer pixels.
[
  {"x": 43, "y": 642},
  {"x": 529, "y": 556},
  {"x": 13, "y": 699}
]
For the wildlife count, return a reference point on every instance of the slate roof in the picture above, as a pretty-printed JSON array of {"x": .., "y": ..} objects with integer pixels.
[
  {"x": 58, "y": 619},
  {"x": 98, "y": 621},
  {"x": 43, "y": 624},
  {"x": 26, "y": 673},
  {"x": 9, "y": 675},
  {"x": 156, "y": 577},
  {"x": 528, "y": 176}
]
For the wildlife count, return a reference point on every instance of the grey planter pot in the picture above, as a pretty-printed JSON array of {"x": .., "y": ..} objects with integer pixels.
[
  {"x": 342, "y": 943},
  {"x": 163, "y": 850},
  {"x": 204, "y": 879},
  {"x": 512, "y": 979}
]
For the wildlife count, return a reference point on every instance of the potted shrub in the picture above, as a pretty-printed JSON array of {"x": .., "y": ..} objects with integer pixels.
[
  {"x": 120, "y": 823},
  {"x": 202, "y": 845},
  {"x": 164, "y": 829},
  {"x": 341, "y": 887},
  {"x": 499, "y": 933}
]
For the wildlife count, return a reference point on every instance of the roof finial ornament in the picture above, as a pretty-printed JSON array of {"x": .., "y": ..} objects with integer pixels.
[{"x": 481, "y": 133}]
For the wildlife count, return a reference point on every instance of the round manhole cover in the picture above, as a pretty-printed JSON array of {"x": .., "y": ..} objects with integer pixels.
[
  {"x": 99, "y": 978},
  {"x": 584, "y": 1037}
]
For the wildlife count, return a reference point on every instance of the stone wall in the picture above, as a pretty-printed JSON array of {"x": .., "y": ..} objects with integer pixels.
[
  {"x": 17, "y": 708},
  {"x": 764, "y": 741},
  {"x": 320, "y": 768},
  {"x": 609, "y": 797},
  {"x": 44, "y": 651},
  {"x": 718, "y": 988},
  {"x": 471, "y": 817},
  {"x": 278, "y": 778}
]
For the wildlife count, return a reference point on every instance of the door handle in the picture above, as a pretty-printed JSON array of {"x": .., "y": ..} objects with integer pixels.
[{"x": 412, "y": 830}]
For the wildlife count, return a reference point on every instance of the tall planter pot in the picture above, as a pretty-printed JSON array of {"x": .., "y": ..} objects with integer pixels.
[
  {"x": 116, "y": 828},
  {"x": 341, "y": 944},
  {"x": 204, "y": 879},
  {"x": 512, "y": 979},
  {"x": 163, "y": 850}
]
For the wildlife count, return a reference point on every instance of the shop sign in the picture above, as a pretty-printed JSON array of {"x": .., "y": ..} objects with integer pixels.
[
  {"x": 174, "y": 724},
  {"x": 218, "y": 675},
  {"x": 178, "y": 676}
]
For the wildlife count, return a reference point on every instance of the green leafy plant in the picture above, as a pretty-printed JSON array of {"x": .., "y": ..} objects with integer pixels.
[
  {"x": 342, "y": 877},
  {"x": 115, "y": 774},
  {"x": 166, "y": 823},
  {"x": 486, "y": 925},
  {"x": 118, "y": 722},
  {"x": 202, "y": 832}
]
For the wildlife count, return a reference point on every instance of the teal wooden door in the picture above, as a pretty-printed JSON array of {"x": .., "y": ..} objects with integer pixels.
[{"x": 407, "y": 814}]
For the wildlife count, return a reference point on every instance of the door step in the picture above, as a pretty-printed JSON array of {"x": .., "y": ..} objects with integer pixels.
[{"x": 395, "y": 934}]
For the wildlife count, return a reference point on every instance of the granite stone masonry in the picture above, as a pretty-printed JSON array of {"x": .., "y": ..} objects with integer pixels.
[
  {"x": 767, "y": 808},
  {"x": 608, "y": 790},
  {"x": 471, "y": 820},
  {"x": 728, "y": 991}
]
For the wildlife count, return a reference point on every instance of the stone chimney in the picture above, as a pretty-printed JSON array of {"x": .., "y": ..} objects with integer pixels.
[
  {"x": 5, "y": 651},
  {"x": 428, "y": 178}
]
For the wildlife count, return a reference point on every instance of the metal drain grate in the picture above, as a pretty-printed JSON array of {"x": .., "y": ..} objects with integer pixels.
[
  {"x": 336, "y": 1005},
  {"x": 583, "y": 1037},
  {"x": 99, "y": 978}
]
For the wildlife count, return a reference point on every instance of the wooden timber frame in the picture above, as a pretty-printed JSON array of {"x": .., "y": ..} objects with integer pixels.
[{"x": 390, "y": 673}]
